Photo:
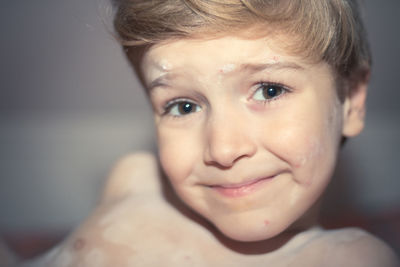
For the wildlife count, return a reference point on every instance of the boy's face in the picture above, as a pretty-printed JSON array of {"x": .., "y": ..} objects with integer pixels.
[{"x": 248, "y": 134}]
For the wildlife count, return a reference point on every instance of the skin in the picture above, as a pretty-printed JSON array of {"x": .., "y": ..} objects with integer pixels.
[
  {"x": 151, "y": 227},
  {"x": 231, "y": 137},
  {"x": 234, "y": 135}
]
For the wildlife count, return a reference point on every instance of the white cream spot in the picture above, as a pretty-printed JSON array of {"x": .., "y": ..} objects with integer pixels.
[
  {"x": 271, "y": 60},
  {"x": 228, "y": 68},
  {"x": 165, "y": 65},
  {"x": 95, "y": 257}
]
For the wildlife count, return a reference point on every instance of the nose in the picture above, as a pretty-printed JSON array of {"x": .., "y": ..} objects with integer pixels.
[{"x": 228, "y": 140}]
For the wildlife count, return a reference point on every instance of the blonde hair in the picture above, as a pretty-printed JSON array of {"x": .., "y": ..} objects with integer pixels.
[{"x": 329, "y": 30}]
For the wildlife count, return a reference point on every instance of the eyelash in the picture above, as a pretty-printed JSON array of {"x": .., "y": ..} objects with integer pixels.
[
  {"x": 174, "y": 103},
  {"x": 262, "y": 85}
]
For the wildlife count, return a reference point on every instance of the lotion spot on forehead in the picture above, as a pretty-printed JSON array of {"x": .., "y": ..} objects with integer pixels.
[
  {"x": 268, "y": 59},
  {"x": 165, "y": 65},
  {"x": 228, "y": 68}
]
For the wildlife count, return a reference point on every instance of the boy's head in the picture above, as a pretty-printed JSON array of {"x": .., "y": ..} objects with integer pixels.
[
  {"x": 329, "y": 30},
  {"x": 251, "y": 101}
]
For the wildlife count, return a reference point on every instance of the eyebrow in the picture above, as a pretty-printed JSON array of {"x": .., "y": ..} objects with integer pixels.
[
  {"x": 259, "y": 67},
  {"x": 250, "y": 67},
  {"x": 161, "y": 80}
]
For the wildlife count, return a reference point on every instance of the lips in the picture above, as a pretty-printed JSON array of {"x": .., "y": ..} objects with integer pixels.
[{"x": 241, "y": 189}]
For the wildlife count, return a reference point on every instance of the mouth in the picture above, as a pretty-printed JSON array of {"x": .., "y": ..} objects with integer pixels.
[{"x": 241, "y": 189}]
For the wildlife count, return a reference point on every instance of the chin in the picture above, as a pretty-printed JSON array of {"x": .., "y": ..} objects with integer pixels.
[
  {"x": 251, "y": 237},
  {"x": 248, "y": 233}
]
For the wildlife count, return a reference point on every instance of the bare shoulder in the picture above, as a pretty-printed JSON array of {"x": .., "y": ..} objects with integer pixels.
[
  {"x": 355, "y": 247},
  {"x": 136, "y": 173},
  {"x": 128, "y": 227},
  {"x": 128, "y": 232},
  {"x": 132, "y": 223}
]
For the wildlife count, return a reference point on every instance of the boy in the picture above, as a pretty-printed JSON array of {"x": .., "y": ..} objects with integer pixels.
[{"x": 252, "y": 101}]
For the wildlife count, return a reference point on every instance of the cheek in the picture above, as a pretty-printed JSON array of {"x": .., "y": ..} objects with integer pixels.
[
  {"x": 308, "y": 142},
  {"x": 178, "y": 154},
  {"x": 299, "y": 141},
  {"x": 309, "y": 150}
]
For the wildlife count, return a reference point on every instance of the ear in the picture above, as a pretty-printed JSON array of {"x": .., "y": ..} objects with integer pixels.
[{"x": 354, "y": 107}]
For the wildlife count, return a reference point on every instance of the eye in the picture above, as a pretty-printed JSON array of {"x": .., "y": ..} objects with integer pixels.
[
  {"x": 179, "y": 108},
  {"x": 267, "y": 91}
]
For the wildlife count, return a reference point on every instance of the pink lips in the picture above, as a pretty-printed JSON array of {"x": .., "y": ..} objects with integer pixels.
[{"x": 241, "y": 189}]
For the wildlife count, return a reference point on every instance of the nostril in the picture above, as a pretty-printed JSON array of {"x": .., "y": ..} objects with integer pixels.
[
  {"x": 226, "y": 159},
  {"x": 227, "y": 142}
]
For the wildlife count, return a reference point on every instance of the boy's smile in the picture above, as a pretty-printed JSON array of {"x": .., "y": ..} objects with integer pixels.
[{"x": 248, "y": 134}]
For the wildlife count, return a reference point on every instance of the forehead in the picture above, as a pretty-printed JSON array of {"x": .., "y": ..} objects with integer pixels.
[
  {"x": 227, "y": 55},
  {"x": 223, "y": 54}
]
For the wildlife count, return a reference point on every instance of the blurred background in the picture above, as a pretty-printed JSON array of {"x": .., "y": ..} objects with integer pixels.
[{"x": 70, "y": 106}]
